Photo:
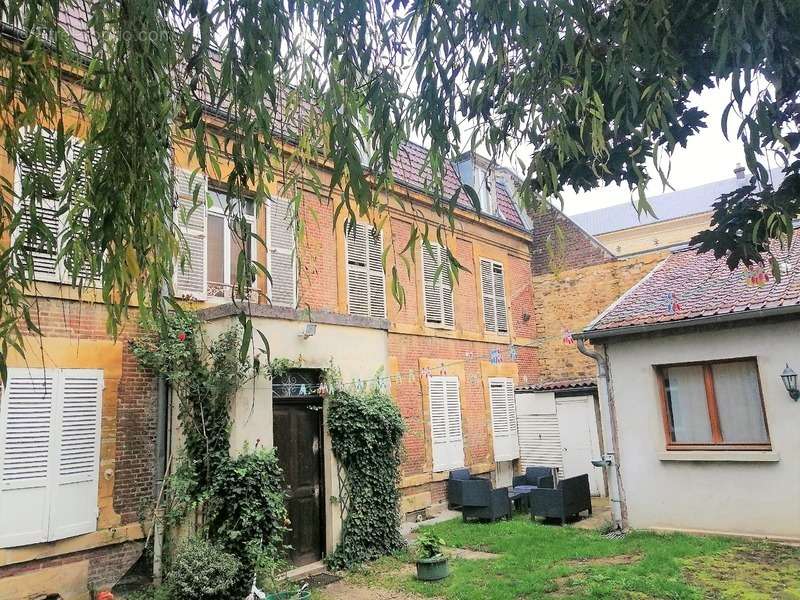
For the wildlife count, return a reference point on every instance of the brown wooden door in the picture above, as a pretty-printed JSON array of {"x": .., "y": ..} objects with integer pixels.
[{"x": 298, "y": 441}]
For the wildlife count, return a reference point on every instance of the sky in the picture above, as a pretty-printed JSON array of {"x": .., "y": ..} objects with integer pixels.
[{"x": 707, "y": 157}]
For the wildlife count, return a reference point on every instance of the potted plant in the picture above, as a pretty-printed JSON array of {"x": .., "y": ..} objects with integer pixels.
[{"x": 431, "y": 562}]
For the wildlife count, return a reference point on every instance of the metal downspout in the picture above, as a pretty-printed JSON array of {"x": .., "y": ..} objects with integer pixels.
[
  {"x": 608, "y": 418},
  {"x": 162, "y": 437}
]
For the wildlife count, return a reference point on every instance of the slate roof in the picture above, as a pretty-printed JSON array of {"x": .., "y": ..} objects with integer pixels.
[
  {"x": 673, "y": 205},
  {"x": 688, "y": 287},
  {"x": 408, "y": 167}
]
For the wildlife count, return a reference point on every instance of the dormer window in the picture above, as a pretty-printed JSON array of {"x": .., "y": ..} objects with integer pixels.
[{"x": 486, "y": 190}]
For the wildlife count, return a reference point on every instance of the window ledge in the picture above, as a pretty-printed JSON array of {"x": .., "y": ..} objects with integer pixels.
[{"x": 719, "y": 456}]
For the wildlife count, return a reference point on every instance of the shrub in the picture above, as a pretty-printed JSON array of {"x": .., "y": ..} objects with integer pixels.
[
  {"x": 246, "y": 513},
  {"x": 366, "y": 435},
  {"x": 429, "y": 545},
  {"x": 202, "y": 570}
]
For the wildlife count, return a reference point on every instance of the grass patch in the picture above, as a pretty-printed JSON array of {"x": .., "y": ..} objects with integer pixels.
[{"x": 543, "y": 561}]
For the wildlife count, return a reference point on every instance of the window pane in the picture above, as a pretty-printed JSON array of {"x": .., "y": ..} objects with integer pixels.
[
  {"x": 215, "y": 257},
  {"x": 741, "y": 417},
  {"x": 688, "y": 409},
  {"x": 236, "y": 248}
]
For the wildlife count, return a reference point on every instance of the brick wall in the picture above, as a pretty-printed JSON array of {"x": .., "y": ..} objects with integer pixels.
[
  {"x": 570, "y": 300},
  {"x": 559, "y": 244},
  {"x": 134, "y": 437}
]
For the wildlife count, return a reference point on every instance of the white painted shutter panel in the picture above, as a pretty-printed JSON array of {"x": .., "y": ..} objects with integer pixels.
[
  {"x": 438, "y": 289},
  {"x": 80, "y": 189},
  {"x": 447, "y": 289},
  {"x": 282, "y": 264},
  {"x": 357, "y": 267},
  {"x": 26, "y": 425},
  {"x": 74, "y": 501},
  {"x": 190, "y": 272},
  {"x": 447, "y": 443},
  {"x": 500, "y": 298},
  {"x": 539, "y": 436},
  {"x": 43, "y": 255},
  {"x": 487, "y": 289},
  {"x": 504, "y": 418},
  {"x": 377, "y": 284},
  {"x": 432, "y": 293}
]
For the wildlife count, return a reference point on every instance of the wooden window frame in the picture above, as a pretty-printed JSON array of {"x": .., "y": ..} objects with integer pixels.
[
  {"x": 717, "y": 443},
  {"x": 228, "y": 286}
]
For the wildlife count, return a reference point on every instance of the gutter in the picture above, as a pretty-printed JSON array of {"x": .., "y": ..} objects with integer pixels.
[
  {"x": 608, "y": 419},
  {"x": 744, "y": 315}
]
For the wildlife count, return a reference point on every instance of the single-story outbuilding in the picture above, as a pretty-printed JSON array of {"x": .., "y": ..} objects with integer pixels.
[{"x": 703, "y": 427}]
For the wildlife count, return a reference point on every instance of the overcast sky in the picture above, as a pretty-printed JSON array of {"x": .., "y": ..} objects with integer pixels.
[{"x": 707, "y": 157}]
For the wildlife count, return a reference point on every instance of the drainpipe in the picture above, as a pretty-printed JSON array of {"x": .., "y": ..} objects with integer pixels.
[
  {"x": 608, "y": 418},
  {"x": 162, "y": 437}
]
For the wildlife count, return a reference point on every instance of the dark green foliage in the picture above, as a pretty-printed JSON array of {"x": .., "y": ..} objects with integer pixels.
[
  {"x": 203, "y": 571},
  {"x": 205, "y": 377},
  {"x": 366, "y": 431},
  {"x": 245, "y": 513},
  {"x": 582, "y": 93},
  {"x": 428, "y": 544}
]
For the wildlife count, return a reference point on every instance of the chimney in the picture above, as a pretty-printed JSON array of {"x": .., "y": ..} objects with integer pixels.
[{"x": 739, "y": 171}]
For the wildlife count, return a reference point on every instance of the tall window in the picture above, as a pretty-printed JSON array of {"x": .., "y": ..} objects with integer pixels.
[
  {"x": 224, "y": 245},
  {"x": 504, "y": 418},
  {"x": 495, "y": 315},
  {"x": 484, "y": 186},
  {"x": 49, "y": 454},
  {"x": 366, "y": 289},
  {"x": 438, "y": 287},
  {"x": 447, "y": 441},
  {"x": 716, "y": 404}
]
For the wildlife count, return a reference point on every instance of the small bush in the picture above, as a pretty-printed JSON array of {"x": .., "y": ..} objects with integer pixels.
[
  {"x": 246, "y": 511},
  {"x": 203, "y": 571},
  {"x": 429, "y": 545}
]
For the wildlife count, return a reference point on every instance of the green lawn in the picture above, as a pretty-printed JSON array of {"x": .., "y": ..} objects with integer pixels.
[{"x": 544, "y": 561}]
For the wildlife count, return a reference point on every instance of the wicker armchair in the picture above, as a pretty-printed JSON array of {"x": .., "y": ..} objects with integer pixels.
[
  {"x": 480, "y": 501},
  {"x": 534, "y": 478},
  {"x": 455, "y": 488},
  {"x": 570, "y": 498}
]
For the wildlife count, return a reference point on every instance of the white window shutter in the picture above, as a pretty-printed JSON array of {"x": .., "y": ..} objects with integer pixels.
[
  {"x": 74, "y": 501},
  {"x": 500, "y": 298},
  {"x": 504, "y": 418},
  {"x": 366, "y": 289},
  {"x": 487, "y": 289},
  {"x": 282, "y": 263},
  {"x": 26, "y": 435},
  {"x": 438, "y": 290},
  {"x": 357, "y": 271},
  {"x": 43, "y": 255},
  {"x": 447, "y": 442},
  {"x": 190, "y": 272},
  {"x": 377, "y": 284}
]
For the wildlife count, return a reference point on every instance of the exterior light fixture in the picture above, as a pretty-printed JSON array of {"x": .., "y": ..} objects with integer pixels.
[
  {"x": 308, "y": 330},
  {"x": 790, "y": 382}
]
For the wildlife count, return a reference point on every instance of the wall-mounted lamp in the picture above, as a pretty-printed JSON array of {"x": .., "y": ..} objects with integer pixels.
[
  {"x": 308, "y": 330},
  {"x": 790, "y": 382}
]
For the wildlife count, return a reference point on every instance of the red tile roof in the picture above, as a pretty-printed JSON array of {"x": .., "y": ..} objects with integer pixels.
[
  {"x": 408, "y": 167},
  {"x": 688, "y": 286}
]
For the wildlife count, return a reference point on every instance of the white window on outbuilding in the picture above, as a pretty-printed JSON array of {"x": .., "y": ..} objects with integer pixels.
[
  {"x": 49, "y": 454},
  {"x": 447, "y": 442}
]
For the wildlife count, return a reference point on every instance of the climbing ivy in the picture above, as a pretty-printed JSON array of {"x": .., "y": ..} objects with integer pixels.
[
  {"x": 239, "y": 501},
  {"x": 366, "y": 431},
  {"x": 204, "y": 377}
]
